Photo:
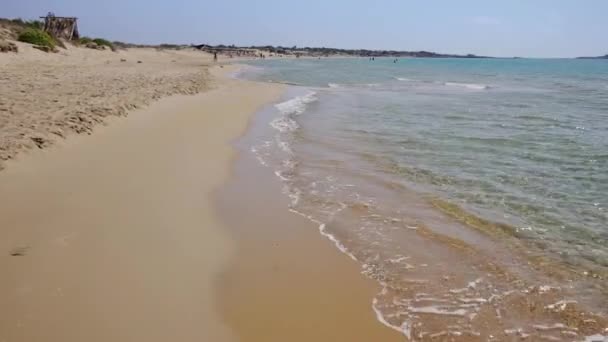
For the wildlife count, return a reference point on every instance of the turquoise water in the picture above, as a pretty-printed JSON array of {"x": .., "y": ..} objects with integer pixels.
[
  {"x": 365, "y": 148},
  {"x": 520, "y": 141}
]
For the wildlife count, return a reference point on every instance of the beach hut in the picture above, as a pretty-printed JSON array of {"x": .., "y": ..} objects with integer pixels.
[{"x": 61, "y": 27}]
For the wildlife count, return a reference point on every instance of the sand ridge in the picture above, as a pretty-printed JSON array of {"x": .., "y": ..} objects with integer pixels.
[{"x": 46, "y": 97}]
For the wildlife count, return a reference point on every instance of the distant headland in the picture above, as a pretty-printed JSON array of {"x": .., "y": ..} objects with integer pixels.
[{"x": 598, "y": 57}]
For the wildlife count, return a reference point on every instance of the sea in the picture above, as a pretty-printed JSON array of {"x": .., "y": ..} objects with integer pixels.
[{"x": 475, "y": 191}]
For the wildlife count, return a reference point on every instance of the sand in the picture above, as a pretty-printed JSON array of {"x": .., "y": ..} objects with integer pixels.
[
  {"x": 48, "y": 96},
  {"x": 118, "y": 234},
  {"x": 113, "y": 236}
]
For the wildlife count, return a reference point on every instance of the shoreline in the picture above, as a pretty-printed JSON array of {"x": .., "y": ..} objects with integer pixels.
[
  {"x": 287, "y": 282},
  {"x": 113, "y": 236},
  {"x": 509, "y": 296},
  {"x": 132, "y": 233}
]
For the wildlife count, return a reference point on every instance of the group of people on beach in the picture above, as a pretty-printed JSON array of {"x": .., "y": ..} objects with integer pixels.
[
  {"x": 230, "y": 55},
  {"x": 374, "y": 58}
]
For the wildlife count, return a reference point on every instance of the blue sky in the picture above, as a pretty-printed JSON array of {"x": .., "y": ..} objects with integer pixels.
[{"x": 534, "y": 28}]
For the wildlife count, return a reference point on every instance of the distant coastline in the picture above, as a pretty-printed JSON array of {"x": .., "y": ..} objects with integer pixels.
[
  {"x": 326, "y": 52},
  {"x": 598, "y": 57}
]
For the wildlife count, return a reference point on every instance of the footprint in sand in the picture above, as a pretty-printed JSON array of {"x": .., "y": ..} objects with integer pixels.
[{"x": 19, "y": 251}]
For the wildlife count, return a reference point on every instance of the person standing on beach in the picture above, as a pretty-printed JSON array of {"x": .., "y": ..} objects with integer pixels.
[{"x": 215, "y": 56}]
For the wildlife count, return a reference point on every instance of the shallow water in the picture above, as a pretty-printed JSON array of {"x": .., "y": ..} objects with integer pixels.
[{"x": 403, "y": 164}]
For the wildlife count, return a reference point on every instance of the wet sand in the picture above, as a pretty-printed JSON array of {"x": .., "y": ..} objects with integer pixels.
[
  {"x": 287, "y": 282},
  {"x": 113, "y": 236}
]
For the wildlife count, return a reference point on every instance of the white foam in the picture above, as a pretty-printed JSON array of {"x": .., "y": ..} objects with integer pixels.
[
  {"x": 546, "y": 288},
  {"x": 405, "y": 328},
  {"x": 398, "y": 259},
  {"x": 333, "y": 85},
  {"x": 434, "y": 310},
  {"x": 258, "y": 155},
  {"x": 403, "y": 79},
  {"x": 284, "y": 146},
  {"x": 473, "y": 284},
  {"x": 473, "y": 300},
  {"x": 284, "y": 124},
  {"x": 542, "y": 327},
  {"x": 470, "y": 286},
  {"x": 329, "y": 236},
  {"x": 333, "y": 239},
  {"x": 289, "y": 164},
  {"x": 280, "y": 175},
  {"x": 297, "y": 105},
  {"x": 295, "y": 197},
  {"x": 560, "y": 306},
  {"x": 596, "y": 338},
  {"x": 472, "y": 86}
]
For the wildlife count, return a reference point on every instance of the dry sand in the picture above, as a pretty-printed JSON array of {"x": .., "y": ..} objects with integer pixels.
[
  {"x": 47, "y": 96},
  {"x": 112, "y": 237}
]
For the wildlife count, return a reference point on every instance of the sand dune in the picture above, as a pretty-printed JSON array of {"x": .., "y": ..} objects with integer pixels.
[{"x": 46, "y": 97}]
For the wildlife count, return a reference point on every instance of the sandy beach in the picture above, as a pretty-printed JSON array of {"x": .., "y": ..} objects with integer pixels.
[
  {"x": 155, "y": 194},
  {"x": 115, "y": 234},
  {"x": 112, "y": 236},
  {"x": 46, "y": 97}
]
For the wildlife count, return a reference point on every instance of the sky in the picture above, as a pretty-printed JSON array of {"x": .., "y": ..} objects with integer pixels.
[{"x": 525, "y": 28}]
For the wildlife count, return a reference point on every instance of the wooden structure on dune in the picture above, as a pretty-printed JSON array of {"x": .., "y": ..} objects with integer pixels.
[{"x": 61, "y": 27}]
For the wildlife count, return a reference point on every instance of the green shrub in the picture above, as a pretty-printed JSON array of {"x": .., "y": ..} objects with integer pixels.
[
  {"x": 102, "y": 42},
  {"x": 85, "y": 40},
  {"x": 36, "y": 37},
  {"x": 18, "y": 21},
  {"x": 35, "y": 24}
]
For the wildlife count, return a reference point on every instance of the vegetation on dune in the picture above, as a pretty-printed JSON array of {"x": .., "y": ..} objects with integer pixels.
[
  {"x": 37, "y": 37},
  {"x": 120, "y": 45},
  {"x": 85, "y": 40},
  {"x": 96, "y": 43},
  {"x": 35, "y": 24},
  {"x": 103, "y": 42}
]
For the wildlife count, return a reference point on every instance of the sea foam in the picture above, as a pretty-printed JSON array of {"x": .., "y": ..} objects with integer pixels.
[
  {"x": 297, "y": 105},
  {"x": 473, "y": 86}
]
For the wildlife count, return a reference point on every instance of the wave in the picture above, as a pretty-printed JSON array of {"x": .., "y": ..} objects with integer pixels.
[
  {"x": 284, "y": 124},
  {"x": 297, "y": 105},
  {"x": 403, "y": 79},
  {"x": 473, "y": 86},
  {"x": 246, "y": 72},
  {"x": 353, "y": 85},
  {"x": 294, "y": 106},
  {"x": 284, "y": 82}
]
